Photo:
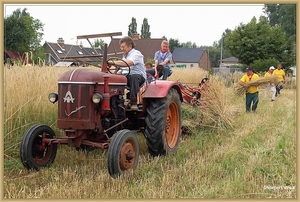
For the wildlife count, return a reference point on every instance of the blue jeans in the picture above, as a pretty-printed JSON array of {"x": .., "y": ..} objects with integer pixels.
[{"x": 165, "y": 73}]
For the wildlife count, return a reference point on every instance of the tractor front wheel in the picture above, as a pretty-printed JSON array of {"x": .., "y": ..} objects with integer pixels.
[
  {"x": 34, "y": 152},
  {"x": 123, "y": 153},
  {"x": 163, "y": 124}
]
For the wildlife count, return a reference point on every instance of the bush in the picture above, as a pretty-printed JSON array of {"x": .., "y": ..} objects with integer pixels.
[{"x": 263, "y": 65}]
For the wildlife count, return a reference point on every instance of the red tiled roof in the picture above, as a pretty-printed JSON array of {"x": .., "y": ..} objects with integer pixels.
[
  {"x": 13, "y": 55},
  {"x": 148, "y": 47}
]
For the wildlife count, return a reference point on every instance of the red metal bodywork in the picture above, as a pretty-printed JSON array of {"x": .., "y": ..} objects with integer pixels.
[
  {"x": 76, "y": 88},
  {"x": 89, "y": 75},
  {"x": 160, "y": 89}
]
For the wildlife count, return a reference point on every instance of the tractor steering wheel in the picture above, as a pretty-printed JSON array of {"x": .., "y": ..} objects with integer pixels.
[{"x": 114, "y": 69}]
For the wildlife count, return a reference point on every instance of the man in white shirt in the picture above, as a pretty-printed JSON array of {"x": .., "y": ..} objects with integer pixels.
[{"x": 135, "y": 60}]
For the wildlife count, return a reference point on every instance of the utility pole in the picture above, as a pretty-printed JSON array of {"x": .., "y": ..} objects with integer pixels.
[{"x": 221, "y": 51}]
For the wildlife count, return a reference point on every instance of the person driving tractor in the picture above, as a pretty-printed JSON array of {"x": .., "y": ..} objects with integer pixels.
[{"x": 135, "y": 60}]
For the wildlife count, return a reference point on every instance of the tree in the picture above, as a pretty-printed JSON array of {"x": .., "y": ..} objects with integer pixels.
[
  {"x": 262, "y": 65},
  {"x": 145, "y": 32},
  {"x": 189, "y": 44},
  {"x": 99, "y": 43},
  {"x": 284, "y": 15},
  {"x": 214, "y": 53},
  {"x": 173, "y": 43},
  {"x": 255, "y": 41},
  {"x": 22, "y": 33},
  {"x": 132, "y": 27},
  {"x": 39, "y": 56}
]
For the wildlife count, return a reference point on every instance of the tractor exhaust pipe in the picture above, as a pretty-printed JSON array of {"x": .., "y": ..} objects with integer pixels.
[{"x": 104, "y": 65}]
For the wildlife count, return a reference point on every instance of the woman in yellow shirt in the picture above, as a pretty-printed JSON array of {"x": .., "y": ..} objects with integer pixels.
[{"x": 251, "y": 91}]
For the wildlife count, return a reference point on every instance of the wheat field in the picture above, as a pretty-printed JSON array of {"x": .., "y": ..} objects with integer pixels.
[{"x": 231, "y": 155}]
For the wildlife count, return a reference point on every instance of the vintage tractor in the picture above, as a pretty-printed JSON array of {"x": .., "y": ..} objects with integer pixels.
[{"x": 93, "y": 113}]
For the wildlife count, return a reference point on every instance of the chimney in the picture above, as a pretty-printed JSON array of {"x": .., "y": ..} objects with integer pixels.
[
  {"x": 61, "y": 42},
  {"x": 135, "y": 36}
]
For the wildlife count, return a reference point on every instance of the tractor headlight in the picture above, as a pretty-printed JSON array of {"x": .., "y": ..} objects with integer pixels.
[
  {"x": 97, "y": 98},
  {"x": 53, "y": 97}
]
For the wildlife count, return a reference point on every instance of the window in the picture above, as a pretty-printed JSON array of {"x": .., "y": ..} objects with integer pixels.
[
  {"x": 191, "y": 65},
  {"x": 59, "y": 51},
  {"x": 80, "y": 53}
]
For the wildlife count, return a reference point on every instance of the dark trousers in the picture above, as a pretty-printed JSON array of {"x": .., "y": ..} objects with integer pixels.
[
  {"x": 278, "y": 88},
  {"x": 251, "y": 99},
  {"x": 134, "y": 81}
]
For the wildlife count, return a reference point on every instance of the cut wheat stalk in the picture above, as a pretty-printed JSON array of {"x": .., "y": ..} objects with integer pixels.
[
  {"x": 215, "y": 109},
  {"x": 239, "y": 90}
]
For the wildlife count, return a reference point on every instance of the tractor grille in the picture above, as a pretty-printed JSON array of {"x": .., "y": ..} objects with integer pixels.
[{"x": 74, "y": 101}]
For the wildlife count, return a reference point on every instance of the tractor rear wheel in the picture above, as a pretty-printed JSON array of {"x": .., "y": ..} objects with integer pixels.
[
  {"x": 35, "y": 153},
  {"x": 163, "y": 124},
  {"x": 123, "y": 153}
]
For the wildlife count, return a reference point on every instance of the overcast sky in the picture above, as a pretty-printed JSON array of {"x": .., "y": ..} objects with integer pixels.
[{"x": 199, "y": 23}]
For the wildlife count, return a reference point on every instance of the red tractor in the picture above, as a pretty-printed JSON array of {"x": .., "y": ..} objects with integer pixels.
[{"x": 93, "y": 114}]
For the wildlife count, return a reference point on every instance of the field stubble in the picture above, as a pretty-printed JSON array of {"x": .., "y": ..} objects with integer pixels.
[{"x": 255, "y": 158}]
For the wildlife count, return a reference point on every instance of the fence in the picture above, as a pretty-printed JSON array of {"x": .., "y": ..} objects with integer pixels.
[{"x": 225, "y": 71}]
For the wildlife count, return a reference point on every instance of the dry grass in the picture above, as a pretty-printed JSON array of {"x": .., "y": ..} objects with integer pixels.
[
  {"x": 189, "y": 76},
  {"x": 254, "y": 159},
  {"x": 219, "y": 111}
]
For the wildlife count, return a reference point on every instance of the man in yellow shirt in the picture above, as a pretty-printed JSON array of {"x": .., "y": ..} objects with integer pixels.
[
  {"x": 281, "y": 78},
  {"x": 251, "y": 91},
  {"x": 270, "y": 86}
]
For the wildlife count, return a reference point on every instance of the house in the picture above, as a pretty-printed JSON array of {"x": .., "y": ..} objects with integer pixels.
[
  {"x": 10, "y": 57},
  {"x": 224, "y": 69},
  {"x": 147, "y": 47},
  {"x": 227, "y": 62},
  {"x": 191, "y": 57},
  {"x": 77, "y": 54}
]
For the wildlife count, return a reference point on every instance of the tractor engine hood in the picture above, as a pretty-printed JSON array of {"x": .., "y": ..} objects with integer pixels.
[{"x": 89, "y": 76}]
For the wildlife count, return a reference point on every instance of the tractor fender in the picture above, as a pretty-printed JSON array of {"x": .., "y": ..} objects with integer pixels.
[{"x": 160, "y": 89}]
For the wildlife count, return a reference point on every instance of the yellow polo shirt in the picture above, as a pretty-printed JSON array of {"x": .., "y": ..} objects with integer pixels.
[
  {"x": 280, "y": 74},
  {"x": 267, "y": 74},
  {"x": 246, "y": 78}
]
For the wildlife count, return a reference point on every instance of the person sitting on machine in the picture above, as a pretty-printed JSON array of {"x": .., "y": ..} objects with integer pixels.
[{"x": 162, "y": 59}]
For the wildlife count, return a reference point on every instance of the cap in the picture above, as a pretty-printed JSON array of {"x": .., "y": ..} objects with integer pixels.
[
  {"x": 249, "y": 69},
  {"x": 272, "y": 68}
]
